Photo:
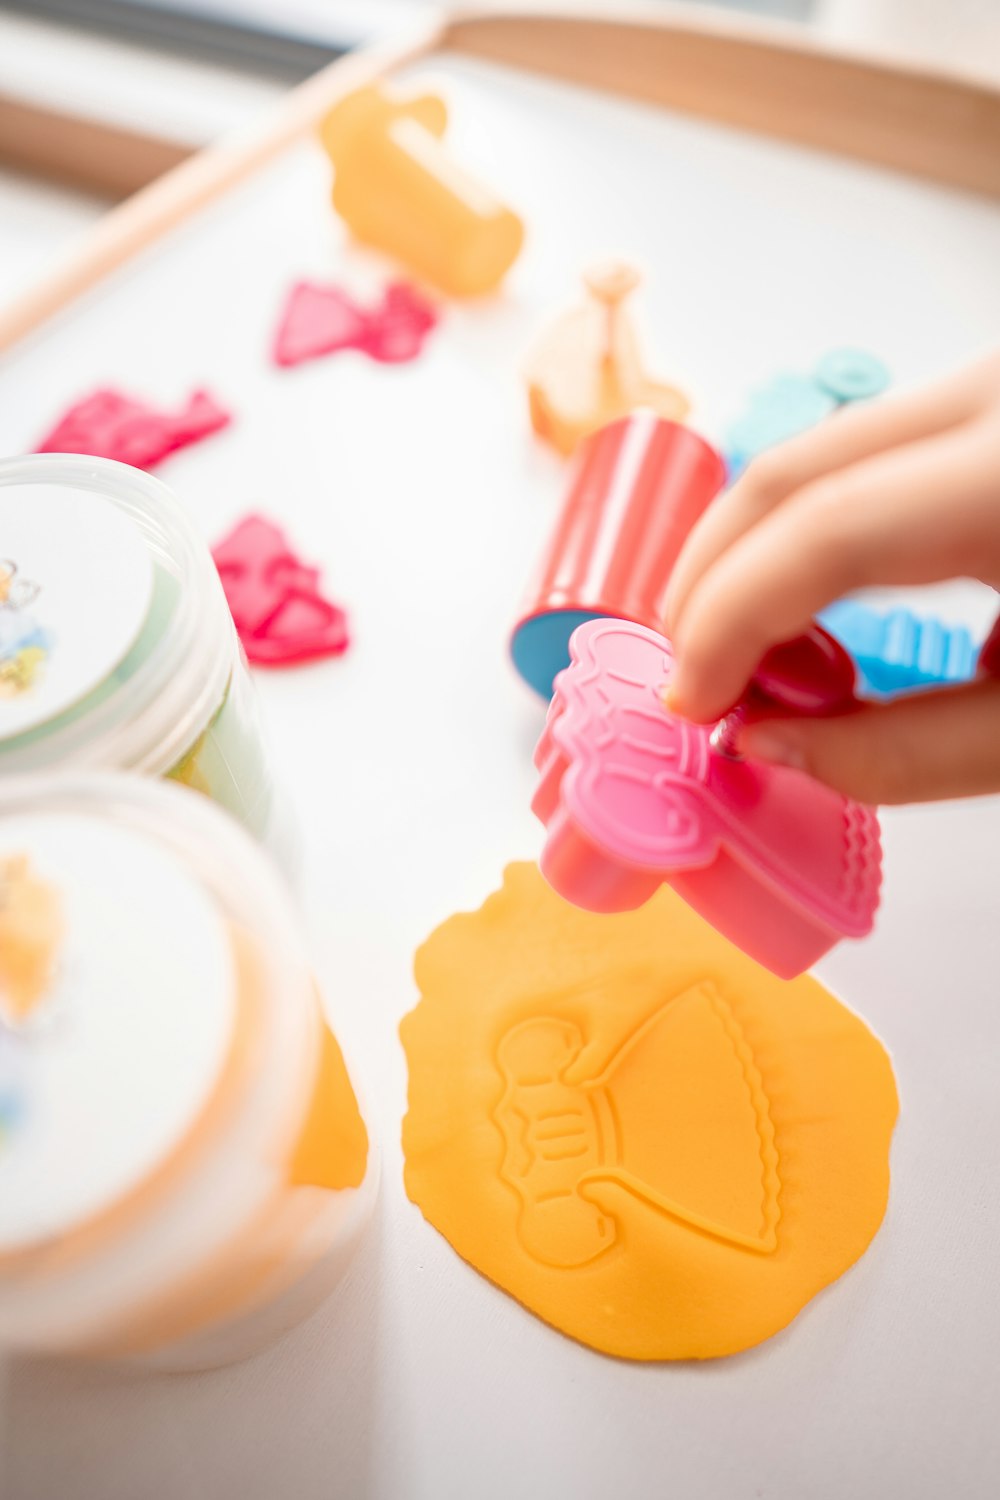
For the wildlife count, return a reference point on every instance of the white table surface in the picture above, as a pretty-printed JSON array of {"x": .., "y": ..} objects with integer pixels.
[{"x": 420, "y": 491}]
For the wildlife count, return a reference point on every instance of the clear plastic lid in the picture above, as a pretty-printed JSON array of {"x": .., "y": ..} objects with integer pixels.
[
  {"x": 116, "y": 642},
  {"x": 158, "y": 1038}
]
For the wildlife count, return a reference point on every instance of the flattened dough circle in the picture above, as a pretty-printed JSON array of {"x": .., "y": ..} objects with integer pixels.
[{"x": 647, "y": 1139}]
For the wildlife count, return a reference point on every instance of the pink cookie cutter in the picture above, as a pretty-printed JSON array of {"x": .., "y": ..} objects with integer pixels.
[
  {"x": 280, "y": 614},
  {"x": 633, "y": 796},
  {"x": 109, "y": 424}
]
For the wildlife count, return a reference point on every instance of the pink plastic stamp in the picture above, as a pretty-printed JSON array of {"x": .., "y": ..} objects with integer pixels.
[
  {"x": 109, "y": 424},
  {"x": 320, "y": 320},
  {"x": 280, "y": 613},
  {"x": 632, "y": 796}
]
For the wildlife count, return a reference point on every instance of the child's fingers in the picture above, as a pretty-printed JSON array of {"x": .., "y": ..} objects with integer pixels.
[
  {"x": 851, "y": 436},
  {"x": 912, "y": 515},
  {"x": 920, "y": 749}
]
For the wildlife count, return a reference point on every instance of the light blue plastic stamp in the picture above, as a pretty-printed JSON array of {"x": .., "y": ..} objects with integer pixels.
[
  {"x": 790, "y": 404},
  {"x": 851, "y": 375},
  {"x": 793, "y": 403},
  {"x": 900, "y": 651}
]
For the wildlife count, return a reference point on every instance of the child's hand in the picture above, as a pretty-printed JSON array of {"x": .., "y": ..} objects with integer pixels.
[{"x": 904, "y": 491}]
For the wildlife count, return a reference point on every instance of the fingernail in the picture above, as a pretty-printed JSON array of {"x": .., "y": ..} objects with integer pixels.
[
  {"x": 673, "y": 699},
  {"x": 775, "y": 747}
]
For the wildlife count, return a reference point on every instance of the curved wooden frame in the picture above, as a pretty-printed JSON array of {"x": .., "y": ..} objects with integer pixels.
[
  {"x": 776, "y": 79},
  {"x": 766, "y": 77}
]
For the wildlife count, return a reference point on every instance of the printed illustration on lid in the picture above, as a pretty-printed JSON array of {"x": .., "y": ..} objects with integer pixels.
[
  {"x": 31, "y": 929},
  {"x": 76, "y": 582},
  {"x": 24, "y": 644}
]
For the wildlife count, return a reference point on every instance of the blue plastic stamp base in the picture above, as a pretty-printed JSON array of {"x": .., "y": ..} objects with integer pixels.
[{"x": 540, "y": 646}]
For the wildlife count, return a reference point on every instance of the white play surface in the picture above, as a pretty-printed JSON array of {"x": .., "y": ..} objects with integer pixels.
[{"x": 420, "y": 491}]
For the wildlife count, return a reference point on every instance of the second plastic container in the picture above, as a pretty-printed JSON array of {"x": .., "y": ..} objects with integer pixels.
[{"x": 117, "y": 647}]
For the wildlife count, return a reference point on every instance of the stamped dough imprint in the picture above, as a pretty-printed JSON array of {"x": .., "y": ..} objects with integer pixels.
[
  {"x": 641, "y": 1134},
  {"x": 31, "y": 929},
  {"x": 560, "y": 1138}
]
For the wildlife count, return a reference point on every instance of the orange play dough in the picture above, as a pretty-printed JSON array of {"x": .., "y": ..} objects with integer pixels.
[
  {"x": 332, "y": 1151},
  {"x": 646, "y": 1138}
]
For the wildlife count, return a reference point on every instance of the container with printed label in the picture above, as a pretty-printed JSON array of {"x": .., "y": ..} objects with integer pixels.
[
  {"x": 117, "y": 648},
  {"x": 184, "y": 1166}
]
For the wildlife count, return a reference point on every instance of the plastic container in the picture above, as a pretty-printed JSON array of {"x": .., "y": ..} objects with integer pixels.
[
  {"x": 638, "y": 488},
  {"x": 184, "y": 1168},
  {"x": 117, "y": 647}
]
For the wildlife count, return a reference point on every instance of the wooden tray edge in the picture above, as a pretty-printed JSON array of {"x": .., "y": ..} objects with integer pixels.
[{"x": 771, "y": 79}]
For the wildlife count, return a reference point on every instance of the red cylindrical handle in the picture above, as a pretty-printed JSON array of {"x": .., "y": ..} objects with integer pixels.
[{"x": 640, "y": 485}]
